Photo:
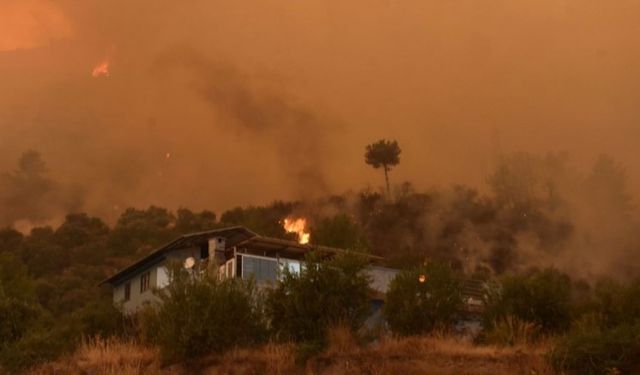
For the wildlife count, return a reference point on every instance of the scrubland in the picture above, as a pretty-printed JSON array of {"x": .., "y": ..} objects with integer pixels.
[{"x": 433, "y": 354}]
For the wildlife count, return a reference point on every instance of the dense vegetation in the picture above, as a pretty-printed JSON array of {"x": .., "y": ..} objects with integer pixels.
[
  {"x": 542, "y": 298},
  {"x": 423, "y": 298},
  {"x": 199, "y": 314},
  {"x": 537, "y": 212},
  {"x": 325, "y": 293}
]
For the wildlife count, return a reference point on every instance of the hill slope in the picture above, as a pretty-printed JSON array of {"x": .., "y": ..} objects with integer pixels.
[{"x": 420, "y": 355}]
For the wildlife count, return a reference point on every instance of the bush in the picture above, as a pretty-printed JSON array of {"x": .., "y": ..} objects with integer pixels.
[
  {"x": 101, "y": 318},
  {"x": 511, "y": 331},
  {"x": 325, "y": 293},
  {"x": 16, "y": 317},
  {"x": 36, "y": 346},
  {"x": 30, "y": 335},
  {"x": 199, "y": 314},
  {"x": 414, "y": 306},
  {"x": 606, "y": 338},
  {"x": 615, "y": 303},
  {"x": 542, "y": 298},
  {"x": 596, "y": 350}
]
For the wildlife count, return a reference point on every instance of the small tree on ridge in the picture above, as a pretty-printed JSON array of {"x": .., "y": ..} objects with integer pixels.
[{"x": 385, "y": 154}]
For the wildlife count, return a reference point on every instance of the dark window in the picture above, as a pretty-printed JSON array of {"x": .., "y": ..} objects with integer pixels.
[
  {"x": 127, "y": 291},
  {"x": 204, "y": 251},
  {"x": 145, "y": 278},
  {"x": 239, "y": 266}
]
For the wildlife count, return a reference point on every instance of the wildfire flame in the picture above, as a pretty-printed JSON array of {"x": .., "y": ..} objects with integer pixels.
[
  {"x": 298, "y": 226},
  {"x": 101, "y": 70}
]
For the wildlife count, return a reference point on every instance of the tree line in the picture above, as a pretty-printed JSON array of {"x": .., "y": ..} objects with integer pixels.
[{"x": 536, "y": 207}]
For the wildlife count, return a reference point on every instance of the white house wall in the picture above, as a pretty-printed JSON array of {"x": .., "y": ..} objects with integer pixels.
[
  {"x": 381, "y": 277},
  {"x": 137, "y": 299}
]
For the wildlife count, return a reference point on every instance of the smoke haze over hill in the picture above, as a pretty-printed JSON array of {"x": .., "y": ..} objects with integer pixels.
[{"x": 218, "y": 104}]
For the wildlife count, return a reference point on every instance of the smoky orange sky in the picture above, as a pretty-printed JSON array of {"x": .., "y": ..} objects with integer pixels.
[{"x": 213, "y": 104}]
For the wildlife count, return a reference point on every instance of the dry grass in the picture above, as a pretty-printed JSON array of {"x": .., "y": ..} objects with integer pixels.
[
  {"x": 105, "y": 356},
  {"x": 341, "y": 340},
  {"x": 514, "y": 331},
  {"x": 276, "y": 359},
  {"x": 436, "y": 354}
]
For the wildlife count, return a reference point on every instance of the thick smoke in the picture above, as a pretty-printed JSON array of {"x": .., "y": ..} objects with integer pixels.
[
  {"x": 297, "y": 135},
  {"x": 540, "y": 211},
  {"x": 276, "y": 100},
  {"x": 29, "y": 197}
]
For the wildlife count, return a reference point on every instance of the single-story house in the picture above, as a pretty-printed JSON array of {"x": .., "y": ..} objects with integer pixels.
[{"x": 237, "y": 252}]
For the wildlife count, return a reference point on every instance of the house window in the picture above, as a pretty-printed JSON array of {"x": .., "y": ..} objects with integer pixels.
[
  {"x": 262, "y": 269},
  {"x": 292, "y": 265},
  {"x": 204, "y": 251},
  {"x": 162, "y": 277},
  {"x": 127, "y": 291},
  {"x": 145, "y": 278}
]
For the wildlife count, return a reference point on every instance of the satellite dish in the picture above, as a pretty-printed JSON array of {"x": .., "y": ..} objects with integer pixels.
[{"x": 189, "y": 263}]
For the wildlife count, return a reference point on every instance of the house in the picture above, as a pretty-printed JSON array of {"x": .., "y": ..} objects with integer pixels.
[{"x": 236, "y": 252}]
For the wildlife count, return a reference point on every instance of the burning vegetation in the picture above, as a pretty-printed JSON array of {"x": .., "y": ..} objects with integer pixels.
[{"x": 299, "y": 227}]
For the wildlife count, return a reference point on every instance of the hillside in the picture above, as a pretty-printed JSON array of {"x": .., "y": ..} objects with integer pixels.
[{"x": 420, "y": 355}]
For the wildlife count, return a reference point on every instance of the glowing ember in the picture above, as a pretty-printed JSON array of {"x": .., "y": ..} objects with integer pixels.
[
  {"x": 101, "y": 70},
  {"x": 297, "y": 226},
  {"x": 422, "y": 278}
]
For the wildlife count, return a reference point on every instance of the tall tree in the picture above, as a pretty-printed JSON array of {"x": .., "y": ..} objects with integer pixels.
[{"x": 385, "y": 154}]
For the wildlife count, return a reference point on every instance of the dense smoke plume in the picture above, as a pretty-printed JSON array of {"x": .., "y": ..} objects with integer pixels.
[
  {"x": 454, "y": 83},
  {"x": 296, "y": 133},
  {"x": 212, "y": 105}
]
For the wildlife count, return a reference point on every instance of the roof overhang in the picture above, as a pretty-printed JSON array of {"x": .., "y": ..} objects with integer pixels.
[{"x": 233, "y": 235}]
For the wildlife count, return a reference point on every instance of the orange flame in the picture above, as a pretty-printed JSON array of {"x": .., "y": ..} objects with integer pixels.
[
  {"x": 101, "y": 70},
  {"x": 298, "y": 226}
]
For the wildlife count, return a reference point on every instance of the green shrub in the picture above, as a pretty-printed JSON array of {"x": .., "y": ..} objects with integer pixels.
[
  {"x": 199, "y": 314},
  {"x": 147, "y": 324},
  {"x": 29, "y": 335},
  {"x": 542, "y": 298},
  {"x": 325, "y": 293},
  {"x": 595, "y": 350},
  {"x": 36, "y": 346},
  {"x": 616, "y": 303},
  {"x": 606, "y": 337},
  {"x": 99, "y": 317},
  {"x": 414, "y": 306},
  {"x": 16, "y": 317}
]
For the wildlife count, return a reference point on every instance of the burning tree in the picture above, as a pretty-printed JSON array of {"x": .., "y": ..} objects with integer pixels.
[{"x": 385, "y": 154}]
